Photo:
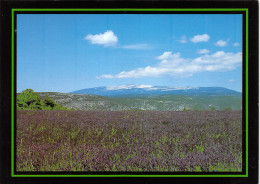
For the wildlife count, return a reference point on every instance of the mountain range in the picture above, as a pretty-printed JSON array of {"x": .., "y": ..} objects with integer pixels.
[
  {"x": 137, "y": 90},
  {"x": 145, "y": 97}
]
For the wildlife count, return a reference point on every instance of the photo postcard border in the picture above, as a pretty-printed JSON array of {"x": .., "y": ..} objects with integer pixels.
[{"x": 13, "y": 92}]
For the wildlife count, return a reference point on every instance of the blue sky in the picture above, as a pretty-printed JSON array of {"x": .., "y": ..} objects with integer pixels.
[{"x": 68, "y": 52}]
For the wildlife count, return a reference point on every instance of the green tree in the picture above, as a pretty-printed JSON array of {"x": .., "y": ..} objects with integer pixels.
[
  {"x": 195, "y": 109},
  {"x": 227, "y": 109},
  {"x": 28, "y": 99},
  {"x": 49, "y": 102},
  {"x": 213, "y": 108}
]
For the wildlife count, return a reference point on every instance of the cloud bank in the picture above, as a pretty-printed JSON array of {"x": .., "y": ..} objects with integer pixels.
[
  {"x": 108, "y": 38},
  {"x": 172, "y": 64}
]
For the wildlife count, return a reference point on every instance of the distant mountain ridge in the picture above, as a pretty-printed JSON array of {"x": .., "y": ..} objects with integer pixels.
[
  {"x": 133, "y": 90},
  {"x": 146, "y": 97},
  {"x": 145, "y": 102}
]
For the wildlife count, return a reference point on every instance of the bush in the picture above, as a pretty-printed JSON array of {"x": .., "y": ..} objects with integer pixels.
[
  {"x": 213, "y": 108},
  {"x": 48, "y": 101},
  {"x": 28, "y": 99},
  {"x": 227, "y": 109}
]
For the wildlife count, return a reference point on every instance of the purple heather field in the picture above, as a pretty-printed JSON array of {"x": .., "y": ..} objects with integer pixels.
[{"x": 167, "y": 141}]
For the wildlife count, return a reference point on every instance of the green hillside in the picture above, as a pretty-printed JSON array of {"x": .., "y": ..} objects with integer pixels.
[{"x": 150, "y": 102}]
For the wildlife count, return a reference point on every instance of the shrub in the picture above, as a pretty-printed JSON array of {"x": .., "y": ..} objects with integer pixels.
[
  {"x": 48, "y": 101},
  {"x": 28, "y": 99},
  {"x": 213, "y": 108},
  {"x": 227, "y": 109}
]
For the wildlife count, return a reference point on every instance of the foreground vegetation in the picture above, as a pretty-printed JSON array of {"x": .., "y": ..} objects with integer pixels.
[{"x": 129, "y": 141}]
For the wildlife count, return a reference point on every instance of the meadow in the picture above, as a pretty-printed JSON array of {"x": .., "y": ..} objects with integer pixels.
[{"x": 164, "y": 141}]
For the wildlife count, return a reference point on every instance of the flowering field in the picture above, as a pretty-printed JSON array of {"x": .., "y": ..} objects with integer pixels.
[{"x": 129, "y": 141}]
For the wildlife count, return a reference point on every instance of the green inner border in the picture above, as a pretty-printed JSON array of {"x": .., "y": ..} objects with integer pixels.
[{"x": 126, "y": 9}]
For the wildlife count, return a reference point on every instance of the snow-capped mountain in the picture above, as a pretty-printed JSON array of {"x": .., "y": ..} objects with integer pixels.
[{"x": 134, "y": 90}]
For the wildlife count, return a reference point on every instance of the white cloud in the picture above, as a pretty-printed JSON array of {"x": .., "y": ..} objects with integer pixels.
[
  {"x": 221, "y": 43},
  {"x": 105, "y": 77},
  {"x": 172, "y": 64},
  {"x": 183, "y": 39},
  {"x": 236, "y": 44},
  {"x": 107, "y": 39},
  {"x": 167, "y": 55},
  {"x": 231, "y": 80},
  {"x": 136, "y": 47},
  {"x": 200, "y": 38},
  {"x": 203, "y": 51}
]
